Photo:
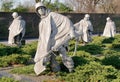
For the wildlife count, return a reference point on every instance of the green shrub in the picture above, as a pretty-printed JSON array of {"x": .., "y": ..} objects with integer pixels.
[
  {"x": 82, "y": 57},
  {"x": 29, "y": 49},
  {"x": 93, "y": 72},
  {"x": 85, "y": 55},
  {"x": 6, "y": 79},
  {"x": 97, "y": 40},
  {"x": 109, "y": 51},
  {"x": 107, "y": 46},
  {"x": 14, "y": 59},
  {"x": 116, "y": 42},
  {"x": 71, "y": 45},
  {"x": 112, "y": 59},
  {"x": 91, "y": 48},
  {"x": 3, "y": 63},
  {"x": 79, "y": 61},
  {"x": 108, "y": 40},
  {"x": 116, "y": 45},
  {"x": 24, "y": 70},
  {"x": 7, "y": 50},
  {"x": 2, "y": 50},
  {"x": 117, "y": 38}
]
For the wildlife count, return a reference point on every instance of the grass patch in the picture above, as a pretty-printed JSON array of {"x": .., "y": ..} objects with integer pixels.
[
  {"x": 6, "y": 79},
  {"x": 27, "y": 70},
  {"x": 14, "y": 59}
]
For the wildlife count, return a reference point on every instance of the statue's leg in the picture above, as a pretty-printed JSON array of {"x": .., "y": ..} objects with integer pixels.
[
  {"x": 15, "y": 39},
  {"x": 54, "y": 64},
  {"x": 18, "y": 39},
  {"x": 67, "y": 61}
]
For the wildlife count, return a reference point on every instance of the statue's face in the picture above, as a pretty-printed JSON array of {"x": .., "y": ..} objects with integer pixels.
[
  {"x": 42, "y": 11},
  {"x": 86, "y": 18},
  {"x": 15, "y": 16},
  {"x": 109, "y": 20}
]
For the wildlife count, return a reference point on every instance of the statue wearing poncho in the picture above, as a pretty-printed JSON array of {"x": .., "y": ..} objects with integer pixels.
[
  {"x": 54, "y": 28},
  {"x": 17, "y": 28},
  {"x": 85, "y": 29},
  {"x": 110, "y": 28}
]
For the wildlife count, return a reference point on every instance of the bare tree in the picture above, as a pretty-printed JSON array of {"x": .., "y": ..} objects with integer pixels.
[
  {"x": 30, "y": 6},
  {"x": 90, "y": 5},
  {"x": 94, "y": 6},
  {"x": 109, "y": 6},
  {"x": 84, "y": 5},
  {"x": 117, "y": 2}
]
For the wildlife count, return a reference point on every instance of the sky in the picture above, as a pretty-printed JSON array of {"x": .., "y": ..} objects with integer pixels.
[{"x": 24, "y": 2}]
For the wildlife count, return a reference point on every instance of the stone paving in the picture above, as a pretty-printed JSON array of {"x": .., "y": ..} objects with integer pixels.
[{"x": 5, "y": 72}]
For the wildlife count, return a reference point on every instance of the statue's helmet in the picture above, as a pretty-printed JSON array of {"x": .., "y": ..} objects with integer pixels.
[
  {"x": 87, "y": 15},
  {"x": 38, "y": 5},
  {"x": 108, "y": 18},
  {"x": 15, "y": 14}
]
